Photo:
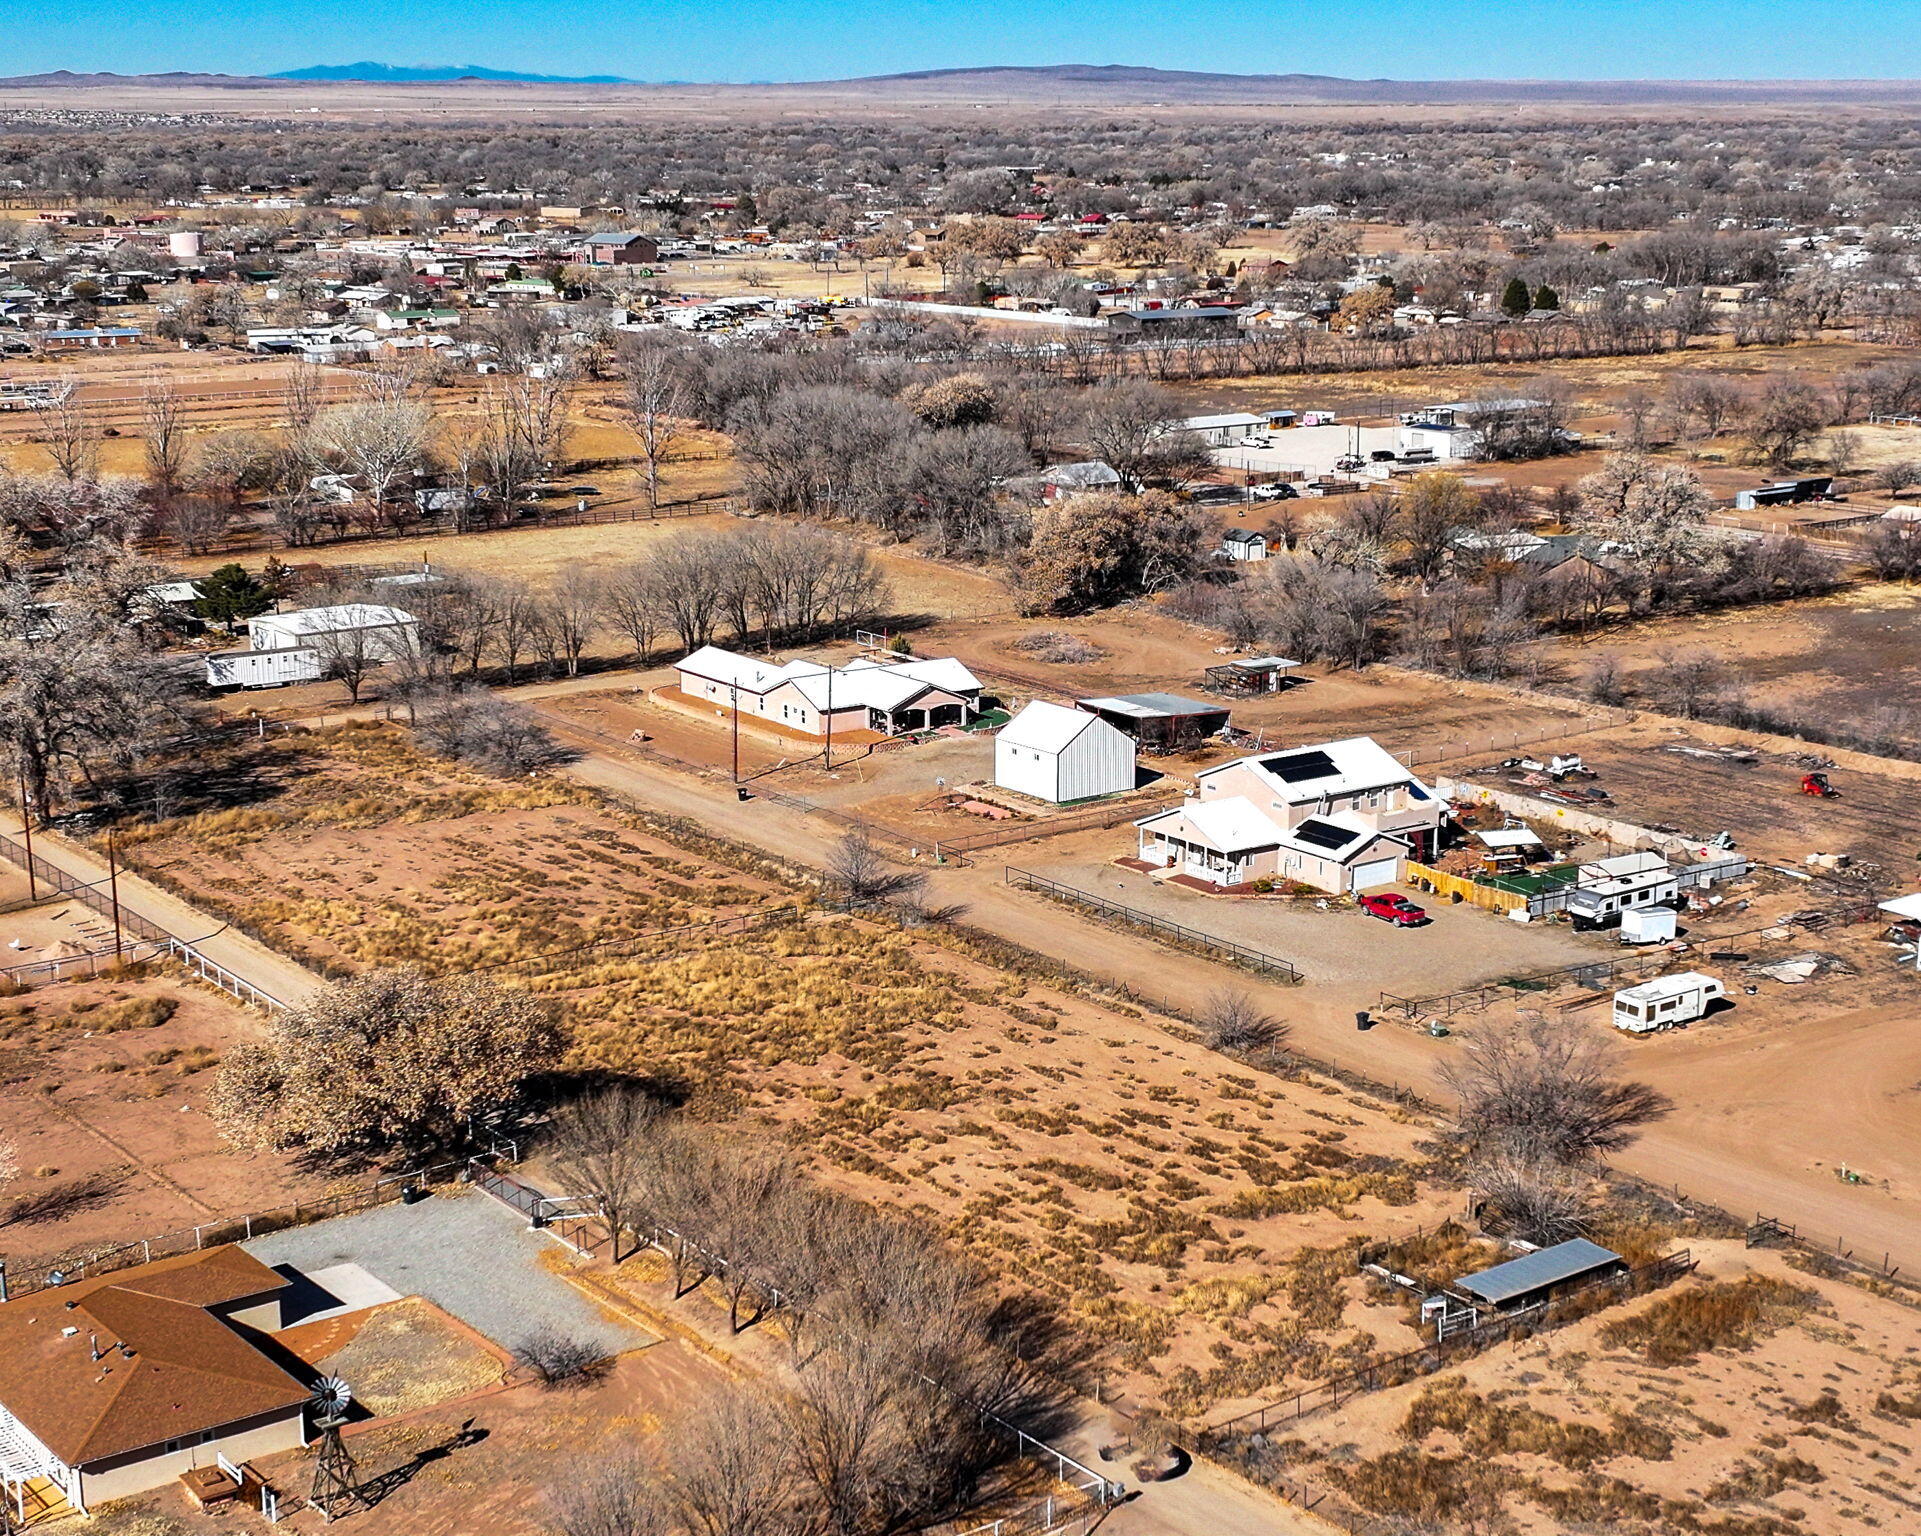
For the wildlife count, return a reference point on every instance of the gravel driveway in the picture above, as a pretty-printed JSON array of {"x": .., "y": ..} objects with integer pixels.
[{"x": 466, "y": 1253}]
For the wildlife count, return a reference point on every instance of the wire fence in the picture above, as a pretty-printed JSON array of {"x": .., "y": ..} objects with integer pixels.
[
  {"x": 153, "y": 939},
  {"x": 1159, "y": 927},
  {"x": 244, "y": 1228},
  {"x": 1090, "y": 819},
  {"x": 1572, "y": 1304}
]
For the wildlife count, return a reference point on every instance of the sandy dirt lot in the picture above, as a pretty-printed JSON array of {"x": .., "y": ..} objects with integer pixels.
[
  {"x": 1873, "y": 820},
  {"x": 104, "y": 1083}
]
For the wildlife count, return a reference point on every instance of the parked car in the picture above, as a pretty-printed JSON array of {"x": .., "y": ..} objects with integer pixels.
[
  {"x": 1394, "y": 908},
  {"x": 1278, "y": 491}
]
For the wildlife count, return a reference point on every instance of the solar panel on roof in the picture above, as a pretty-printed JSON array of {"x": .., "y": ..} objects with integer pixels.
[
  {"x": 1324, "y": 834},
  {"x": 1299, "y": 767}
]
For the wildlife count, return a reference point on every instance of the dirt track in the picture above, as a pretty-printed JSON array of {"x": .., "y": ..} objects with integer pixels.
[{"x": 1729, "y": 1101}]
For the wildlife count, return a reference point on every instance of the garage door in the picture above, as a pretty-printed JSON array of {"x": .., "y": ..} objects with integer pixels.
[{"x": 1374, "y": 872}]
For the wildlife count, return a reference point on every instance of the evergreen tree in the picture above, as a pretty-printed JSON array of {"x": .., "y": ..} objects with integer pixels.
[
  {"x": 1546, "y": 298},
  {"x": 1514, "y": 298},
  {"x": 229, "y": 594}
]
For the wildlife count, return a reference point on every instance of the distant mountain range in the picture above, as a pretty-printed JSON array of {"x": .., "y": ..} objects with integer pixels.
[
  {"x": 400, "y": 74},
  {"x": 1064, "y": 85}
]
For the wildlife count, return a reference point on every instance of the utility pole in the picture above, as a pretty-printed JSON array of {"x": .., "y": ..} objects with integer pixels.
[
  {"x": 828, "y": 751},
  {"x": 733, "y": 690},
  {"x": 26, "y": 831},
  {"x": 113, "y": 887}
]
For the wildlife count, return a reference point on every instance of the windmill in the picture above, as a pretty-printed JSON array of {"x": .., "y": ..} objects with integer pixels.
[{"x": 334, "y": 1490}]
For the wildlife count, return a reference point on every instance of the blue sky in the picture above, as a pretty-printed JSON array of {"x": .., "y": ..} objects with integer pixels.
[{"x": 815, "y": 39}]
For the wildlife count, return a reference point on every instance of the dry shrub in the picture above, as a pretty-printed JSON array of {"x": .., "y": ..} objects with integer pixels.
[
  {"x": 1058, "y": 646},
  {"x": 1409, "y": 1484},
  {"x": 1764, "y": 1477},
  {"x": 1724, "y": 1314},
  {"x": 1483, "y": 1428}
]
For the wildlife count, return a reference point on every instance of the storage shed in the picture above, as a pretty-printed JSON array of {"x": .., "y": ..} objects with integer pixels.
[
  {"x": 1251, "y": 674},
  {"x": 1159, "y": 720},
  {"x": 1536, "y": 1276},
  {"x": 1058, "y": 754}
]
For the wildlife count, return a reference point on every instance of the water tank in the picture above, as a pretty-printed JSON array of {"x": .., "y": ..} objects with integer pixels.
[{"x": 184, "y": 245}]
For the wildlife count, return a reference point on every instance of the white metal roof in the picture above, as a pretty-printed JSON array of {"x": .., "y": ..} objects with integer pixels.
[
  {"x": 1508, "y": 837},
  {"x": 330, "y": 620},
  {"x": 1356, "y": 764},
  {"x": 863, "y": 684},
  {"x": 1045, "y": 727},
  {"x": 1231, "y": 825},
  {"x": 1904, "y": 906}
]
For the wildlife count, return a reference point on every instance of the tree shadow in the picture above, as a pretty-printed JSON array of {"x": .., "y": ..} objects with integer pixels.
[
  {"x": 376, "y": 1489},
  {"x": 67, "y": 1198}
]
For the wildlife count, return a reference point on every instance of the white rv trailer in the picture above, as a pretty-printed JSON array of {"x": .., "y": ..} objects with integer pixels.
[{"x": 1665, "y": 1002}]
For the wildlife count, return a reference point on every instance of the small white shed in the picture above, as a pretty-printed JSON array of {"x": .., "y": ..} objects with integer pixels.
[{"x": 1058, "y": 754}]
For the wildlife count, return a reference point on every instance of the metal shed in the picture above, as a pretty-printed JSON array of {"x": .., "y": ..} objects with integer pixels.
[
  {"x": 1251, "y": 674},
  {"x": 1162, "y": 720},
  {"x": 1532, "y": 1277}
]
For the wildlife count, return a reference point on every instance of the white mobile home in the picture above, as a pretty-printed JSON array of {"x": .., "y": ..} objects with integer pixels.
[
  {"x": 294, "y": 647},
  {"x": 1058, "y": 754},
  {"x": 1665, "y": 1002}
]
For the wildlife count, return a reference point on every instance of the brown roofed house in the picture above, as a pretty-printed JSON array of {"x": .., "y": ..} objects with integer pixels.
[{"x": 122, "y": 1382}]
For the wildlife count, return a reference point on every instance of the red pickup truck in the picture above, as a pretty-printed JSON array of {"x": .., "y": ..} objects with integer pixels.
[{"x": 1394, "y": 909}]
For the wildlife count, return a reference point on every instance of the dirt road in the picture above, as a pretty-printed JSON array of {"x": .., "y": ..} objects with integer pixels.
[
  {"x": 1725, "y": 1144},
  {"x": 252, "y": 961}
]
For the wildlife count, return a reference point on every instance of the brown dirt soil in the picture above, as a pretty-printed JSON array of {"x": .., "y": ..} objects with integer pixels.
[
  {"x": 1174, "y": 1202},
  {"x": 1853, "y": 659},
  {"x": 1789, "y": 1420},
  {"x": 103, "y": 1084},
  {"x": 471, "y": 871}
]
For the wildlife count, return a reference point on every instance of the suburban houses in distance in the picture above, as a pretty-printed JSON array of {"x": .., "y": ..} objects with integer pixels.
[{"x": 1085, "y": 800}]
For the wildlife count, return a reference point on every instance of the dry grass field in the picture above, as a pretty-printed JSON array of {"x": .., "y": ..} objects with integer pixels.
[
  {"x": 1756, "y": 1399},
  {"x": 1196, "y": 1215}
]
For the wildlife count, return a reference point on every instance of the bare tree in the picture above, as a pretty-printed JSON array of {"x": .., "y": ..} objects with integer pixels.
[
  {"x": 380, "y": 439},
  {"x": 67, "y": 432},
  {"x": 1898, "y": 476},
  {"x": 164, "y": 430},
  {"x": 569, "y": 616},
  {"x": 656, "y": 408},
  {"x": 1532, "y": 1197},
  {"x": 1547, "y": 1088},
  {"x": 599, "y": 1148},
  {"x": 864, "y": 877}
]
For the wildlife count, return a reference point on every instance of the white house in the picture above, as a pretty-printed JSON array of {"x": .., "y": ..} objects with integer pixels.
[
  {"x": 394, "y": 627},
  {"x": 1058, "y": 754},
  {"x": 1342, "y": 816},
  {"x": 1224, "y": 430},
  {"x": 891, "y": 696}
]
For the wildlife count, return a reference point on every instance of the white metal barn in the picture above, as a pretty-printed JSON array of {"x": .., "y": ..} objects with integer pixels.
[{"x": 1058, "y": 754}]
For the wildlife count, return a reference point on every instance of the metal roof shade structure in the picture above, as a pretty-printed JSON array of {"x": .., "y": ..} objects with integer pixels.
[
  {"x": 1150, "y": 706},
  {"x": 1538, "y": 1271}
]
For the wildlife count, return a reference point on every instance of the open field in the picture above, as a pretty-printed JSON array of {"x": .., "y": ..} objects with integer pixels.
[
  {"x": 1853, "y": 659},
  {"x": 1597, "y": 383},
  {"x": 1169, "y": 1199},
  {"x": 105, "y": 1082},
  {"x": 1754, "y": 1400}
]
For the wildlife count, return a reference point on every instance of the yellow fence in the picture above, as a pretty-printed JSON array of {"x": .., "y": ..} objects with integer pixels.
[{"x": 1444, "y": 884}]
